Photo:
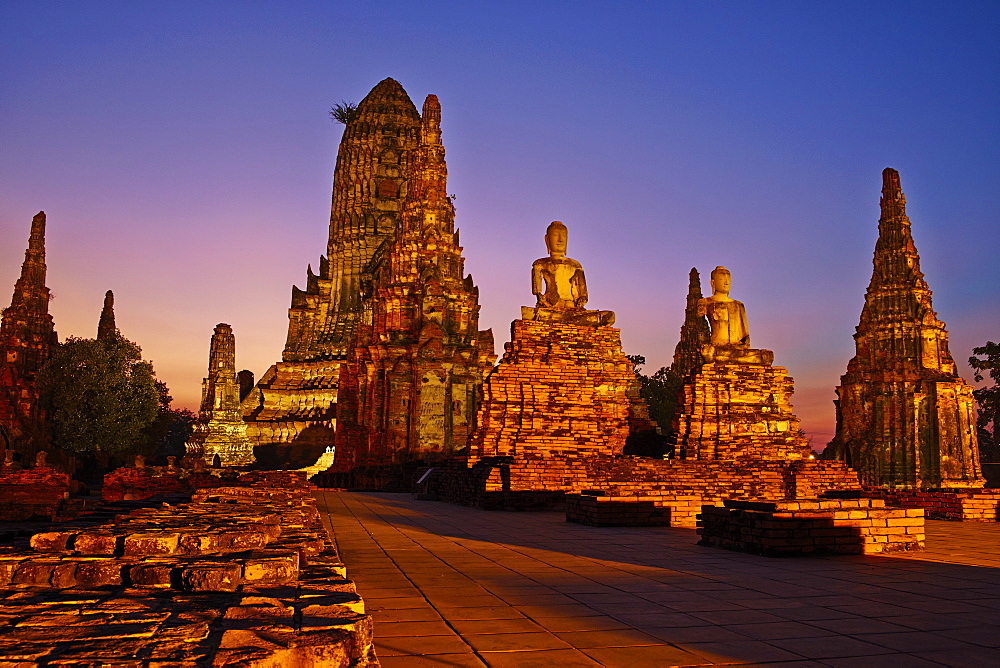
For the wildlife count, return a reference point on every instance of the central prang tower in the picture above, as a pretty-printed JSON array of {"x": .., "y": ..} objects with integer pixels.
[{"x": 292, "y": 413}]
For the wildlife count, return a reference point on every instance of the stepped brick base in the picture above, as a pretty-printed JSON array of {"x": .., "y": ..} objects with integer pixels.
[
  {"x": 970, "y": 505},
  {"x": 559, "y": 390},
  {"x": 817, "y": 526}
]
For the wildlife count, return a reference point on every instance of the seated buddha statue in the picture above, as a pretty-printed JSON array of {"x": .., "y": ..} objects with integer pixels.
[
  {"x": 727, "y": 318},
  {"x": 560, "y": 286}
]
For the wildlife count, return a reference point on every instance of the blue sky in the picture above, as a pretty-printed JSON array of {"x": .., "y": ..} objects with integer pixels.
[{"x": 183, "y": 154}]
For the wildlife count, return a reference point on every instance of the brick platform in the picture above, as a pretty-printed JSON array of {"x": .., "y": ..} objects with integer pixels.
[
  {"x": 817, "y": 526},
  {"x": 239, "y": 576},
  {"x": 559, "y": 390}
]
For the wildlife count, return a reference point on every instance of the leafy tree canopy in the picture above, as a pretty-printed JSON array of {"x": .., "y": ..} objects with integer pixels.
[
  {"x": 100, "y": 395},
  {"x": 171, "y": 429},
  {"x": 987, "y": 359},
  {"x": 660, "y": 392}
]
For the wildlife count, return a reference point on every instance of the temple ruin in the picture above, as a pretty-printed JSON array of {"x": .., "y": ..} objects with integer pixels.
[
  {"x": 291, "y": 412},
  {"x": 694, "y": 332},
  {"x": 905, "y": 419},
  {"x": 557, "y": 411},
  {"x": 106, "y": 328},
  {"x": 410, "y": 384},
  {"x": 736, "y": 405},
  {"x": 220, "y": 435},
  {"x": 27, "y": 335}
]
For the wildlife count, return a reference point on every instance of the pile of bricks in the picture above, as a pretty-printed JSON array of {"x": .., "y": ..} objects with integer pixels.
[
  {"x": 559, "y": 390},
  {"x": 239, "y": 576},
  {"x": 969, "y": 505},
  {"x": 597, "y": 509},
  {"x": 739, "y": 411},
  {"x": 816, "y": 526},
  {"x": 32, "y": 494}
]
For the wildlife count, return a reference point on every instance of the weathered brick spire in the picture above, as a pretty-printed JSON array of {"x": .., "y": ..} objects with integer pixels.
[
  {"x": 905, "y": 418},
  {"x": 292, "y": 409},
  {"x": 106, "y": 327},
  {"x": 899, "y": 294},
  {"x": 410, "y": 385},
  {"x": 369, "y": 184},
  {"x": 694, "y": 331},
  {"x": 27, "y": 335},
  {"x": 220, "y": 429}
]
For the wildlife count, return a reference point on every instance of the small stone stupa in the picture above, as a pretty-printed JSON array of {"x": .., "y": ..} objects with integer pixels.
[
  {"x": 562, "y": 386},
  {"x": 736, "y": 406},
  {"x": 220, "y": 430}
]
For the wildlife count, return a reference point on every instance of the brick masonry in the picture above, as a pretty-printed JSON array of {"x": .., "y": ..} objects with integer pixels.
[
  {"x": 238, "y": 576},
  {"x": 32, "y": 494},
  {"x": 971, "y": 505},
  {"x": 816, "y": 526}
]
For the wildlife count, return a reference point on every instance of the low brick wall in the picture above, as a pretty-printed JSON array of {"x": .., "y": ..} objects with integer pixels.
[
  {"x": 241, "y": 575},
  {"x": 616, "y": 511},
  {"x": 818, "y": 526},
  {"x": 968, "y": 505},
  {"x": 137, "y": 483},
  {"x": 682, "y": 486},
  {"x": 32, "y": 494}
]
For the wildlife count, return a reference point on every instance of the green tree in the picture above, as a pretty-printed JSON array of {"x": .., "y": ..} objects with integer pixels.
[
  {"x": 100, "y": 396},
  {"x": 660, "y": 392},
  {"x": 170, "y": 430},
  {"x": 988, "y": 399}
]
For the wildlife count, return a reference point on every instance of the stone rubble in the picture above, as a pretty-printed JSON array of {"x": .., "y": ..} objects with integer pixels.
[{"x": 237, "y": 576}]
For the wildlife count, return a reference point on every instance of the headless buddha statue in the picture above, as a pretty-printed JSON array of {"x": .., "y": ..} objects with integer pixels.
[
  {"x": 559, "y": 284},
  {"x": 727, "y": 317}
]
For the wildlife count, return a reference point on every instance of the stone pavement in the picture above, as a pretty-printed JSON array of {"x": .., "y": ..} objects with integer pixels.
[{"x": 454, "y": 586}]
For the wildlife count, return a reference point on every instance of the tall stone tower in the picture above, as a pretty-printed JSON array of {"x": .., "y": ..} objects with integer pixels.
[
  {"x": 409, "y": 387},
  {"x": 27, "y": 334},
  {"x": 694, "y": 331},
  {"x": 220, "y": 429},
  {"x": 904, "y": 417},
  {"x": 291, "y": 411},
  {"x": 106, "y": 328}
]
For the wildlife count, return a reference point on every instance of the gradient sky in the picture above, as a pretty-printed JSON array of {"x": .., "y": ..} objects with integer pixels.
[{"x": 183, "y": 154}]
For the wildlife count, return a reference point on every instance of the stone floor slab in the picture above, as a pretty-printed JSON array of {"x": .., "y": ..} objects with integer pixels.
[{"x": 451, "y": 585}]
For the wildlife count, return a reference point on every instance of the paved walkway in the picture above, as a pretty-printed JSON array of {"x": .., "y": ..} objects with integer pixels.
[{"x": 454, "y": 586}]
